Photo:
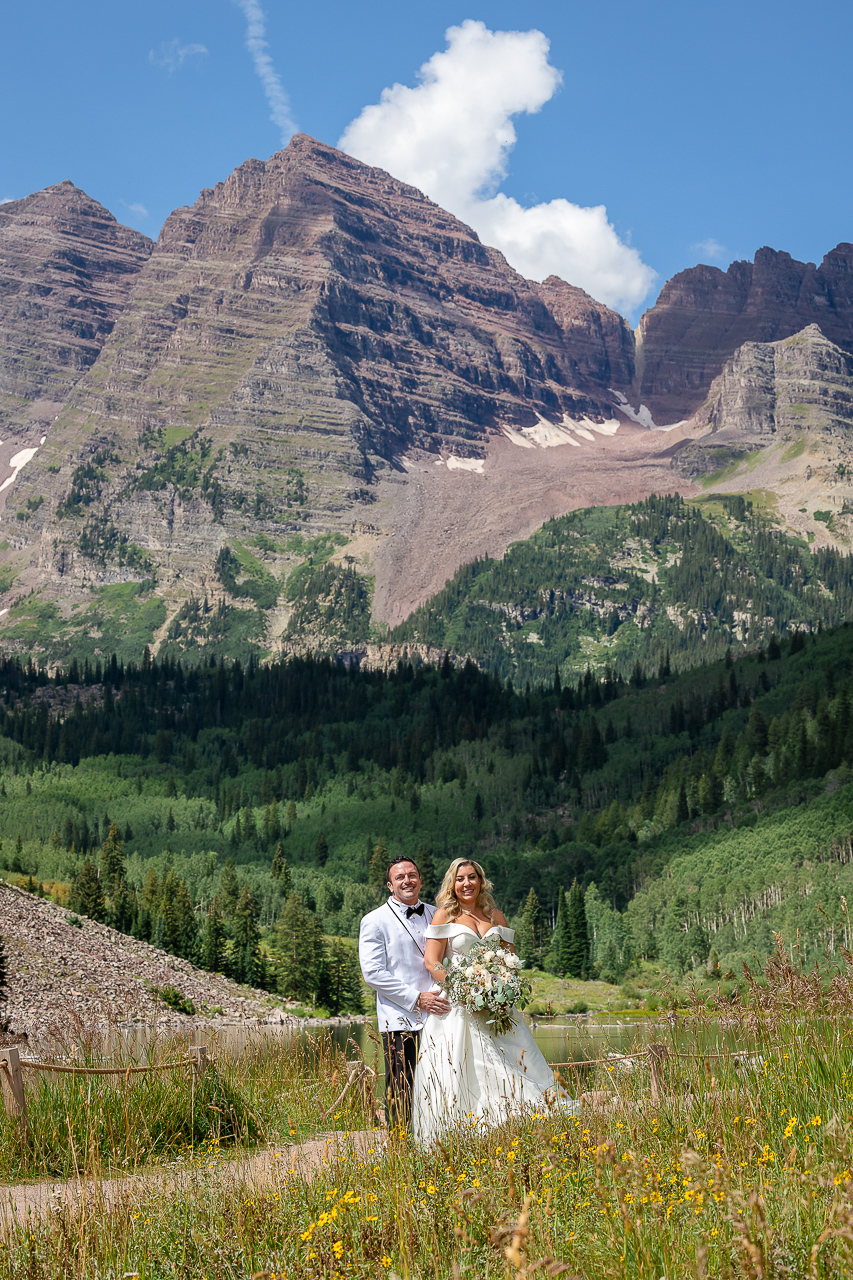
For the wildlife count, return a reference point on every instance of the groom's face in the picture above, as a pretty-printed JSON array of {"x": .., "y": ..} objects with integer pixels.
[{"x": 404, "y": 881}]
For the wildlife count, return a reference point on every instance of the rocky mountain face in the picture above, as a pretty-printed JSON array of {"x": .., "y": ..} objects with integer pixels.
[
  {"x": 779, "y": 418},
  {"x": 310, "y": 301},
  {"x": 295, "y": 416},
  {"x": 770, "y": 390},
  {"x": 66, "y": 272},
  {"x": 704, "y": 315},
  {"x": 292, "y": 338}
]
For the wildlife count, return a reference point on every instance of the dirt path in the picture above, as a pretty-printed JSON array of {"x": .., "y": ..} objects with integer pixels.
[{"x": 259, "y": 1170}]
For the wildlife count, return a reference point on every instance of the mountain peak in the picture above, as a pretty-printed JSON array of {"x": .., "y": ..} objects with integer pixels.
[
  {"x": 703, "y": 315},
  {"x": 67, "y": 267}
]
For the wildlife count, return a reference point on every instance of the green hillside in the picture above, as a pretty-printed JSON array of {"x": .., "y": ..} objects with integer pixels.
[
  {"x": 699, "y": 809},
  {"x": 612, "y": 586},
  {"x": 606, "y": 587}
]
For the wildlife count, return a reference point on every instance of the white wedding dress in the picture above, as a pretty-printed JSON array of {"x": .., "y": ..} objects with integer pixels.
[{"x": 468, "y": 1075}]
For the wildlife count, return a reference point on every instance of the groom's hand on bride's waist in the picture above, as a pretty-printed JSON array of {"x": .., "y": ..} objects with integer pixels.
[{"x": 432, "y": 1002}]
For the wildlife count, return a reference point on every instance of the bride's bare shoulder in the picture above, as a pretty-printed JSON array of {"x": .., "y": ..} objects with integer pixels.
[
  {"x": 440, "y": 917},
  {"x": 499, "y": 918}
]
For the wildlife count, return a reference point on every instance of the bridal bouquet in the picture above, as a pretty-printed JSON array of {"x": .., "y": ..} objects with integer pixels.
[{"x": 488, "y": 980}]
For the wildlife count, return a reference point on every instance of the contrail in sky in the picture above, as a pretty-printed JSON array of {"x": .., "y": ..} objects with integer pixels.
[{"x": 256, "y": 43}]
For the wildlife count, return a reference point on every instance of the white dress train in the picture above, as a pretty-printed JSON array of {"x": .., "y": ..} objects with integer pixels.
[{"x": 465, "y": 1073}]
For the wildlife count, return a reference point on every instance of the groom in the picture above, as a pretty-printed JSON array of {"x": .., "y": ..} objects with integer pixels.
[{"x": 391, "y": 954}]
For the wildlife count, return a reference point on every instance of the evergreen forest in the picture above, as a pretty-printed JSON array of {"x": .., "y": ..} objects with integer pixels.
[
  {"x": 242, "y": 815},
  {"x": 613, "y": 586}
]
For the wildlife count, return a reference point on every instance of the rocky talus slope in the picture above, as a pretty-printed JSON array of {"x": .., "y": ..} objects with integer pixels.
[
  {"x": 704, "y": 314},
  {"x": 60, "y": 975},
  {"x": 66, "y": 272}
]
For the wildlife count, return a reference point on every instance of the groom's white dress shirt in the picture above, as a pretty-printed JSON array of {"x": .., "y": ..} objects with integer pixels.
[{"x": 391, "y": 954}]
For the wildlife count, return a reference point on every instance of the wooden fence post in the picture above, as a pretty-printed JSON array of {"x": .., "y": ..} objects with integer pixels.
[
  {"x": 198, "y": 1057},
  {"x": 13, "y": 1084},
  {"x": 658, "y": 1053}
]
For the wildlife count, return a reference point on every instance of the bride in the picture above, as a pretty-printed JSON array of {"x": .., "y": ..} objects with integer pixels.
[{"x": 466, "y": 1073}]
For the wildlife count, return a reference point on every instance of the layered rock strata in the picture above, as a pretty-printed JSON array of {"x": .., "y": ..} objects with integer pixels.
[
  {"x": 704, "y": 315},
  {"x": 66, "y": 272},
  {"x": 294, "y": 333},
  {"x": 771, "y": 391}
]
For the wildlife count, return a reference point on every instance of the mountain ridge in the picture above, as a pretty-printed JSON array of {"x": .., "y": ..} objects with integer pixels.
[{"x": 319, "y": 377}]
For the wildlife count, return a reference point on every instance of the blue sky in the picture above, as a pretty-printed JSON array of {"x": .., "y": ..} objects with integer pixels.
[{"x": 706, "y": 129}]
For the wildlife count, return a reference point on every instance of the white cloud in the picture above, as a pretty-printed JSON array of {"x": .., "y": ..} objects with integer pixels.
[
  {"x": 451, "y": 136},
  {"x": 711, "y": 249},
  {"x": 172, "y": 54},
  {"x": 8, "y": 200},
  {"x": 138, "y": 209},
  {"x": 256, "y": 43}
]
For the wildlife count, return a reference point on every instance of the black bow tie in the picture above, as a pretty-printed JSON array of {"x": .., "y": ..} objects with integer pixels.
[{"x": 414, "y": 911}]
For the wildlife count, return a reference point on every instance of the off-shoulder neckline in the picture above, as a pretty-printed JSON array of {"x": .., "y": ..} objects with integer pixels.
[{"x": 458, "y": 925}]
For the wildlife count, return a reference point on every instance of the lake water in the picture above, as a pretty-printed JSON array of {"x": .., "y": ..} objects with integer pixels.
[{"x": 569, "y": 1041}]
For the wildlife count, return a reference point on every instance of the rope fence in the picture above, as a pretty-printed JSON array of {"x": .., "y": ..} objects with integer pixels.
[
  {"x": 12, "y": 1068},
  {"x": 26, "y": 1065},
  {"x": 361, "y": 1077}
]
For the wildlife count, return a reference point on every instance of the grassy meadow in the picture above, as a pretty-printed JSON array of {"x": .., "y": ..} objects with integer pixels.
[{"x": 741, "y": 1169}]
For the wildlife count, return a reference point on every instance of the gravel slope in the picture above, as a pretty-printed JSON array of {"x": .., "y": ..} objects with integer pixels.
[{"x": 59, "y": 975}]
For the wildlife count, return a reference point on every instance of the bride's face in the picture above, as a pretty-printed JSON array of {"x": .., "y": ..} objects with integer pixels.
[{"x": 467, "y": 886}]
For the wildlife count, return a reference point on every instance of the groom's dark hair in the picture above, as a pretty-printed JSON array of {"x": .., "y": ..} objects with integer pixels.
[{"x": 403, "y": 858}]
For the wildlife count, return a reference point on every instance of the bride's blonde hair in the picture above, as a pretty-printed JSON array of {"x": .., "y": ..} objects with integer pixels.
[{"x": 447, "y": 898}]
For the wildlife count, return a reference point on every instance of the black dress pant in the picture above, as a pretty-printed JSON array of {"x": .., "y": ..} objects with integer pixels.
[{"x": 401, "y": 1055}]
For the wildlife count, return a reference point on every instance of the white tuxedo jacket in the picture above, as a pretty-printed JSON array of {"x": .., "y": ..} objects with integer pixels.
[{"x": 390, "y": 951}]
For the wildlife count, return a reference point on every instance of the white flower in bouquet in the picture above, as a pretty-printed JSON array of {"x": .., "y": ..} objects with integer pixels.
[{"x": 487, "y": 980}]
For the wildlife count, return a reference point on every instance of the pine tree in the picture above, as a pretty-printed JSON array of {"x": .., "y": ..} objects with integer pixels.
[
  {"x": 272, "y": 824},
  {"x": 577, "y": 952},
  {"x": 181, "y": 923},
  {"x": 151, "y": 892},
  {"x": 675, "y": 948},
  {"x": 86, "y": 895},
  {"x": 229, "y": 889},
  {"x": 213, "y": 940},
  {"x": 321, "y": 850},
  {"x": 560, "y": 940},
  {"x": 280, "y": 871},
  {"x": 247, "y": 937},
  {"x": 528, "y": 940},
  {"x": 299, "y": 951},
  {"x": 379, "y": 866},
  {"x": 341, "y": 990},
  {"x": 250, "y": 830},
  {"x": 426, "y": 865},
  {"x": 122, "y": 909},
  {"x": 112, "y": 859}
]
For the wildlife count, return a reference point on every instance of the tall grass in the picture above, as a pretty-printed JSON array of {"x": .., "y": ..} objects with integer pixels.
[
  {"x": 277, "y": 1090},
  {"x": 741, "y": 1170}
]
